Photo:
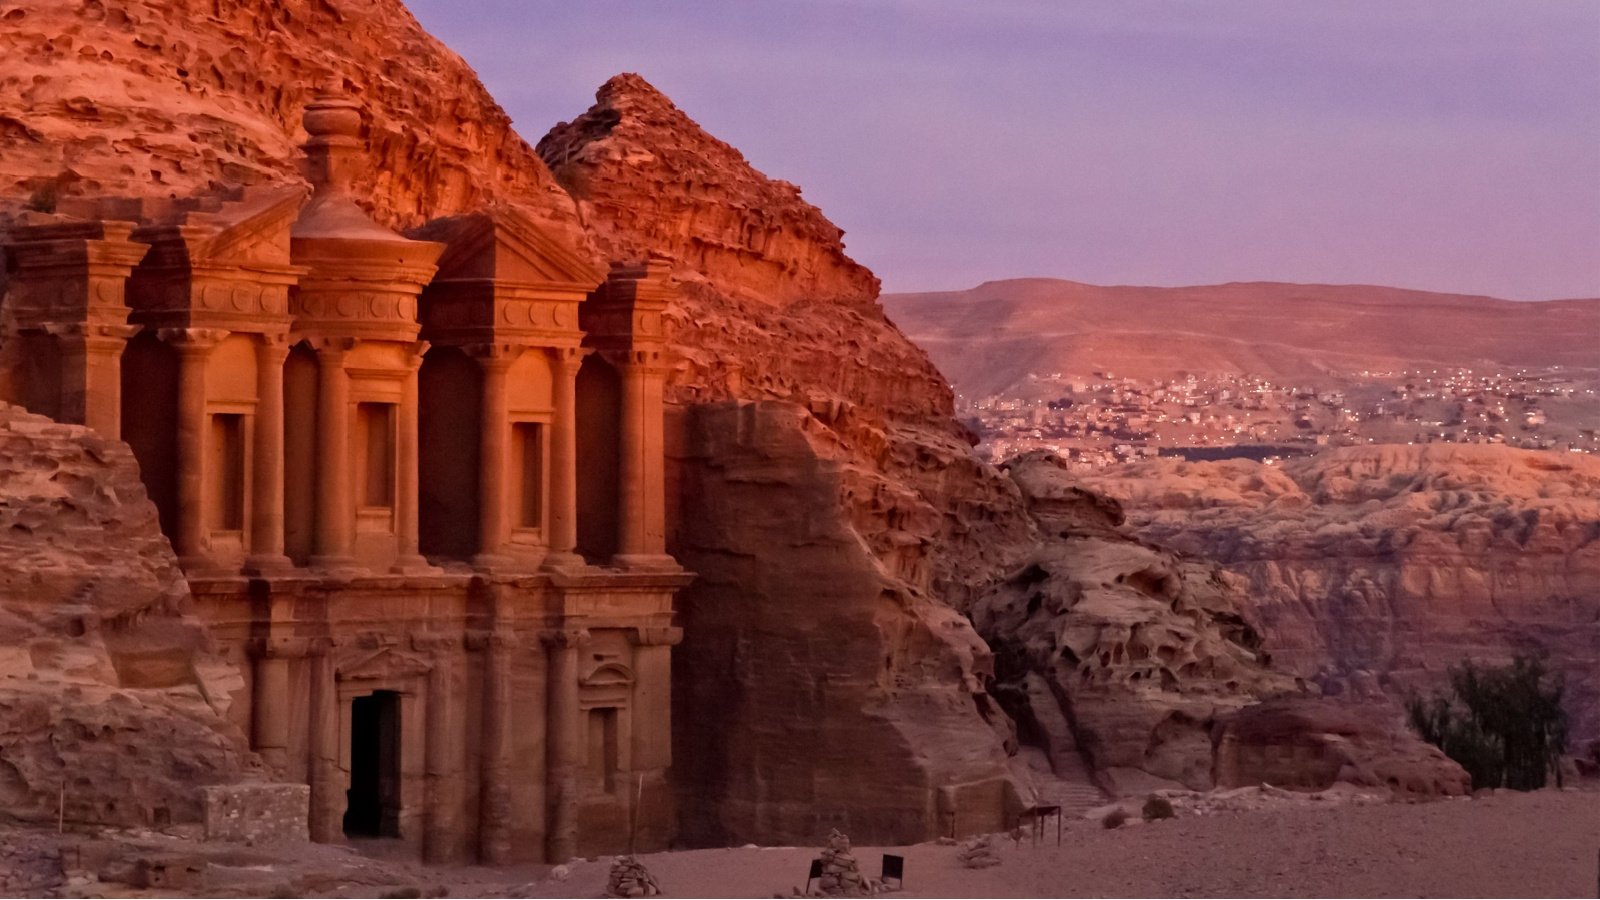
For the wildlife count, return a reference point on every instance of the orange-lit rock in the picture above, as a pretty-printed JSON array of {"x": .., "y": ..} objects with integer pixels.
[
  {"x": 113, "y": 702},
  {"x": 176, "y": 98},
  {"x": 771, "y": 309},
  {"x": 1375, "y": 569}
]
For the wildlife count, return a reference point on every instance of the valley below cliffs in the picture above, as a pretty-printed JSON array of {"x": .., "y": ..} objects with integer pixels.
[
  {"x": 885, "y": 634},
  {"x": 1372, "y": 570}
]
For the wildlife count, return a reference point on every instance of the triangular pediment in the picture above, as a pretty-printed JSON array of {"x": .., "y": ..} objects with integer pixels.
[
  {"x": 255, "y": 229},
  {"x": 505, "y": 245},
  {"x": 386, "y": 663}
]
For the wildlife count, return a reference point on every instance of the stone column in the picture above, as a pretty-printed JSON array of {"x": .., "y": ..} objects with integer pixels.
[
  {"x": 327, "y": 788},
  {"x": 335, "y": 525},
  {"x": 494, "y": 825},
  {"x": 409, "y": 558},
  {"x": 443, "y": 746},
  {"x": 494, "y": 436},
  {"x": 193, "y": 346},
  {"x": 641, "y": 524},
  {"x": 270, "y": 708},
  {"x": 266, "y": 477},
  {"x": 650, "y": 754},
  {"x": 91, "y": 375},
  {"x": 563, "y": 538},
  {"x": 563, "y": 743}
]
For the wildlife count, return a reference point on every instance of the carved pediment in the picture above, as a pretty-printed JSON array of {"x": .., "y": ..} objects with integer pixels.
[
  {"x": 383, "y": 664},
  {"x": 505, "y": 245},
  {"x": 607, "y": 675},
  {"x": 255, "y": 229}
]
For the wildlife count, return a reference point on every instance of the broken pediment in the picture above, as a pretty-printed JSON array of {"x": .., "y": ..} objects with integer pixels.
[
  {"x": 383, "y": 664},
  {"x": 504, "y": 245}
]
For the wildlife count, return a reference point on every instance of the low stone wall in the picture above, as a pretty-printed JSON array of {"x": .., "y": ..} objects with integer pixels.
[{"x": 256, "y": 812}]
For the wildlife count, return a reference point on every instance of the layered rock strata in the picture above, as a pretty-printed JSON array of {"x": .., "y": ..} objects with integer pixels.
[
  {"x": 1118, "y": 651},
  {"x": 112, "y": 707},
  {"x": 178, "y": 98},
  {"x": 834, "y": 524},
  {"x": 841, "y": 696},
  {"x": 1375, "y": 569}
]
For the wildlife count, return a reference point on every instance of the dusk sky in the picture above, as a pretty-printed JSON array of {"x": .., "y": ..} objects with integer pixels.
[{"x": 1449, "y": 145}]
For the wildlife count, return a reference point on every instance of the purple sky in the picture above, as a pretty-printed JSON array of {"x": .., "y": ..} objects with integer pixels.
[{"x": 1451, "y": 145}]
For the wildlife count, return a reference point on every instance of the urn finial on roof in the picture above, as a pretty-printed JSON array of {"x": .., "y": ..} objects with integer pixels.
[{"x": 333, "y": 147}]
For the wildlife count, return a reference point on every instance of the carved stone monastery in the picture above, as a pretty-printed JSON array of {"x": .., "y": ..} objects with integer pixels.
[{"x": 415, "y": 482}]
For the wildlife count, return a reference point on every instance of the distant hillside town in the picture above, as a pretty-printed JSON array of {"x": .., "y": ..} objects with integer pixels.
[{"x": 1105, "y": 420}]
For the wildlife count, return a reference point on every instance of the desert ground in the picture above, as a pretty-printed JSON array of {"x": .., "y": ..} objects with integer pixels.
[{"x": 1541, "y": 844}]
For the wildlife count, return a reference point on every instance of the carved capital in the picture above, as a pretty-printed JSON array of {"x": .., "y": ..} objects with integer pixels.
[
  {"x": 289, "y": 647},
  {"x": 192, "y": 340},
  {"x": 433, "y": 642},
  {"x": 415, "y": 351},
  {"x": 332, "y": 349},
  {"x": 495, "y": 356},
  {"x": 567, "y": 360},
  {"x": 565, "y": 638},
  {"x": 656, "y": 636},
  {"x": 491, "y": 640}
]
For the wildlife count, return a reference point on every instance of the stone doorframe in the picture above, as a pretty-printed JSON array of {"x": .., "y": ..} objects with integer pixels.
[{"x": 405, "y": 676}]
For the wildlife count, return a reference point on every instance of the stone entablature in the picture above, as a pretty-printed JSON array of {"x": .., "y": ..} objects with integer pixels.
[
  {"x": 502, "y": 280},
  {"x": 365, "y": 450}
]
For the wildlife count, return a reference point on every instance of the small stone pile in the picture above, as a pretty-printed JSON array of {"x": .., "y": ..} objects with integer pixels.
[
  {"x": 629, "y": 878},
  {"x": 841, "y": 874},
  {"x": 978, "y": 853}
]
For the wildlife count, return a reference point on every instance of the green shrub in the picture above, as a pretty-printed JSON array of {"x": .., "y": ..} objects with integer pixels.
[
  {"x": 1505, "y": 726},
  {"x": 1115, "y": 819},
  {"x": 1158, "y": 808}
]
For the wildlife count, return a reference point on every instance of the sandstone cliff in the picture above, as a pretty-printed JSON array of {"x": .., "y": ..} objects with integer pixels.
[
  {"x": 159, "y": 98},
  {"x": 1147, "y": 664},
  {"x": 1379, "y": 567},
  {"x": 110, "y": 702},
  {"x": 862, "y": 450}
]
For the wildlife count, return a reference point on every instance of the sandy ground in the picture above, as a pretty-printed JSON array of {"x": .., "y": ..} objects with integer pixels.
[
  {"x": 1509, "y": 845},
  {"x": 1540, "y": 845}
]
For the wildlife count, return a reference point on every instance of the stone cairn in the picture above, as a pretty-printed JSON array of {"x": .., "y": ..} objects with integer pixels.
[
  {"x": 629, "y": 878},
  {"x": 841, "y": 874},
  {"x": 978, "y": 853}
]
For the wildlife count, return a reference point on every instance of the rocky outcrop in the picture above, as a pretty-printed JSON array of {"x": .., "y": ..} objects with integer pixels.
[
  {"x": 833, "y": 693},
  {"x": 833, "y": 525},
  {"x": 1147, "y": 664},
  {"x": 112, "y": 710},
  {"x": 1375, "y": 569},
  {"x": 1118, "y": 650},
  {"x": 648, "y": 179},
  {"x": 1311, "y": 744},
  {"x": 177, "y": 98}
]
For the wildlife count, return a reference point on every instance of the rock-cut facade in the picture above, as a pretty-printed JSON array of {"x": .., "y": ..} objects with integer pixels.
[{"x": 415, "y": 483}]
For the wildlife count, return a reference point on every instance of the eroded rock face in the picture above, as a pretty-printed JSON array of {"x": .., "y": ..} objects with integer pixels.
[
  {"x": 1135, "y": 651},
  {"x": 1375, "y": 569},
  {"x": 856, "y": 636},
  {"x": 1312, "y": 743},
  {"x": 813, "y": 687},
  {"x": 159, "y": 98},
  {"x": 649, "y": 179},
  {"x": 110, "y": 702}
]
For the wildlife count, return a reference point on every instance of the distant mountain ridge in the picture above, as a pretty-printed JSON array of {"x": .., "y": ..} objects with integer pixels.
[{"x": 990, "y": 337}]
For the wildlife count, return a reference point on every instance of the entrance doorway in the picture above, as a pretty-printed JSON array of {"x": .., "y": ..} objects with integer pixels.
[{"x": 372, "y": 807}]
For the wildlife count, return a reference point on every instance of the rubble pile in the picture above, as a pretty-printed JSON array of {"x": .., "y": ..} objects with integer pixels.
[{"x": 629, "y": 878}]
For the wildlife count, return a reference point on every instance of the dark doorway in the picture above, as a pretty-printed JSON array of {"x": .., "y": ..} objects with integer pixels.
[
  {"x": 449, "y": 423},
  {"x": 599, "y": 421},
  {"x": 372, "y": 806}
]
